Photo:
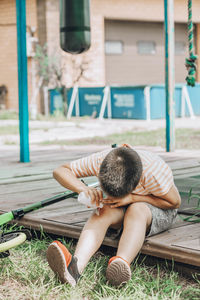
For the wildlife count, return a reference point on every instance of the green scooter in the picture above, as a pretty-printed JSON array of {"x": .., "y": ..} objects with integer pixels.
[{"x": 15, "y": 238}]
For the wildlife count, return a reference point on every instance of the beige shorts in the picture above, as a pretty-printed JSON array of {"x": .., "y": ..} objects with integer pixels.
[{"x": 162, "y": 219}]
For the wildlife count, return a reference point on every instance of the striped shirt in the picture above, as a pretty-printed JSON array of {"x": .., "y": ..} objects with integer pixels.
[{"x": 156, "y": 179}]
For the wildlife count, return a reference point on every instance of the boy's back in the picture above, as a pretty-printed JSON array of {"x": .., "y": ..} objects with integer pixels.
[{"x": 156, "y": 178}]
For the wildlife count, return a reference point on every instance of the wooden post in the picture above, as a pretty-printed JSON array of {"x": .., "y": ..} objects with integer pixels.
[
  {"x": 198, "y": 51},
  {"x": 22, "y": 80},
  {"x": 169, "y": 74}
]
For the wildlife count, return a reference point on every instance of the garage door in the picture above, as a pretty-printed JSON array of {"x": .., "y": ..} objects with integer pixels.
[{"x": 134, "y": 52}]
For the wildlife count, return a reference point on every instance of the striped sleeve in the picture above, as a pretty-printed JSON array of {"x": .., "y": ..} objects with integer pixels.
[
  {"x": 159, "y": 178},
  {"x": 87, "y": 166}
]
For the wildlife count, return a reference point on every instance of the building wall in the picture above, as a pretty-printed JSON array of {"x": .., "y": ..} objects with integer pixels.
[
  {"x": 41, "y": 22},
  {"x": 94, "y": 57},
  {"x": 8, "y": 53},
  {"x": 133, "y": 10},
  {"x": 149, "y": 10},
  {"x": 130, "y": 65},
  {"x": 101, "y": 10},
  {"x": 8, "y": 48}
]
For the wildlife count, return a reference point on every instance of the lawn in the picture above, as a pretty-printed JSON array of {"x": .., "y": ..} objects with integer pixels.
[
  {"x": 185, "y": 139},
  {"x": 25, "y": 274}
]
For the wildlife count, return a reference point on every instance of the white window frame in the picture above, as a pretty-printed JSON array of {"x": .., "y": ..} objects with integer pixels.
[
  {"x": 114, "y": 47},
  {"x": 142, "y": 43}
]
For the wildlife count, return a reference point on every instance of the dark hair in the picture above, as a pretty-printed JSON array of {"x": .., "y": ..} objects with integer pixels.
[{"x": 120, "y": 172}]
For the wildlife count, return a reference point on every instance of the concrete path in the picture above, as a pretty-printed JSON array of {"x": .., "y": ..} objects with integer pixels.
[{"x": 41, "y": 131}]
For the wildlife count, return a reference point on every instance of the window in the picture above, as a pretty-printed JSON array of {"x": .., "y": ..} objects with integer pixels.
[
  {"x": 113, "y": 47},
  {"x": 179, "y": 48},
  {"x": 146, "y": 47}
]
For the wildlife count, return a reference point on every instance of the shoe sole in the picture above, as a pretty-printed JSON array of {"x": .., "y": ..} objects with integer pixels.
[
  {"x": 57, "y": 263},
  {"x": 118, "y": 272}
]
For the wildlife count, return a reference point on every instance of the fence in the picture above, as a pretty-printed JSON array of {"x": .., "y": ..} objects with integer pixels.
[{"x": 143, "y": 102}]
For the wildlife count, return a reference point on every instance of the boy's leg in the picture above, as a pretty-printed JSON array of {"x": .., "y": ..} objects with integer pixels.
[
  {"x": 94, "y": 232},
  {"x": 137, "y": 219},
  {"x": 70, "y": 267}
]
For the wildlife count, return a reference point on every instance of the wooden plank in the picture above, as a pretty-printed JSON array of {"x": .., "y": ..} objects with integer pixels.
[
  {"x": 183, "y": 233},
  {"x": 186, "y": 172},
  {"x": 179, "y": 221},
  {"x": 50, "y": 185},
  {"x": 17, "y": 172},
  {"x": 178, "y": 254},
  {"x": 24, "y": 179},
  {"x": 184, "y": 164},
  {"x": 193, "y": 244},
  {"x": 61, "y": 213},
  {"x": 57, "y": 228},
  {"x": 184, "y": 185},
  {"x": 72, "y": 218},
  {"x": 163, "y": 245},
  {"x": 16, "y": 203}
]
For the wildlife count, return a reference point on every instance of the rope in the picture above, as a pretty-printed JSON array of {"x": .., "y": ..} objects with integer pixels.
[{"x": 190, "y": 62}]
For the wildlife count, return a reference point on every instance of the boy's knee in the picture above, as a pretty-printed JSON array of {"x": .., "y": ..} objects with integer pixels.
[
  {"x": 107, "y": 211},
  {"x": 139, "y": 210},
  {"x": 112, "y": 215}
]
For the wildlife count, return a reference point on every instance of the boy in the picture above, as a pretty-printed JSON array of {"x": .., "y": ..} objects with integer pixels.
[{"x": 141, "y": 196}]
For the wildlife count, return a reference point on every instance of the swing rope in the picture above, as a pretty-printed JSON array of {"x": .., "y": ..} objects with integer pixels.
[{"x": 190, "y": 62}]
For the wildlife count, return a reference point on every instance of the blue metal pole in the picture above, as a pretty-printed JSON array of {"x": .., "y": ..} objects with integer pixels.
[
  {"x": 22, "y": 80},
  {"x": 169, "y": 74}
]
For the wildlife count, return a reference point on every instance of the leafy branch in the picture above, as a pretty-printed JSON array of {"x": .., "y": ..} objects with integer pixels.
[
  {"x": 195, "y": 217},
  {"x": 48, "y": 66}
]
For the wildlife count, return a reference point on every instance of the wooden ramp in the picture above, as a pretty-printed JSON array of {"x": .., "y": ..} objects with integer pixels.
[{"x": 23, "y": 184}]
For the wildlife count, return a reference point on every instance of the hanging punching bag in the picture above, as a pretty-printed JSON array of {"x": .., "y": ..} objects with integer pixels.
[{"x": 75, "y": 25}]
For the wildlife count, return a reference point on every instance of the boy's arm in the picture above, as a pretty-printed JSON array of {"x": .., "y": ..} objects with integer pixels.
[
  {"x": 66, "y": 178},
  {"x": 170, "y": 200}
]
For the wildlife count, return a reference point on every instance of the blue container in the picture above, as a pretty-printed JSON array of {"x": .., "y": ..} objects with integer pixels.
[
  {"x": 128, "y": 102},
  {"x": 158, "y": 101},
  {"x": 56, "y": 100},
  {"x": 90, "y": 101},
  {"x": 194, "y": 94}
]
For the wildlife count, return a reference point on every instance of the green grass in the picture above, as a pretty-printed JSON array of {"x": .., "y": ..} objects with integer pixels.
[
  {"x": 10, "y": 129},
  {"x": 25, "y": 274},
  {"x": 185, "y": 139},
  {"x": 56, "y": 117},
  {"x": 8, "y": 115}
]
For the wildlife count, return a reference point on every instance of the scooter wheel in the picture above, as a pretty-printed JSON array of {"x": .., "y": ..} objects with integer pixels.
[{"x": 10, "y": 240}]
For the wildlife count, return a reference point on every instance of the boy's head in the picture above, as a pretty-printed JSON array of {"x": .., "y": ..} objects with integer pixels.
[{"x": 120, "y": 172}]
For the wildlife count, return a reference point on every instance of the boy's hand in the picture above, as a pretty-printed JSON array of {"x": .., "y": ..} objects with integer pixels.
[
  {"x": 120, "y": 201},
  {"x": 96, "y": 195}
]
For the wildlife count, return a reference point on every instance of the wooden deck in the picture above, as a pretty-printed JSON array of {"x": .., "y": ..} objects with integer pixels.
[{"x": 22, "y": 184}]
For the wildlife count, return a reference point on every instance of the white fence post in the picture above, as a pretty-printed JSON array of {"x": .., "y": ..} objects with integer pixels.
[
  {"x": 185, "y": 98},
  {"x": 72, "y": 102},
  {"x": 106, "y": 101},
  {"x": 147, "y": 100}
]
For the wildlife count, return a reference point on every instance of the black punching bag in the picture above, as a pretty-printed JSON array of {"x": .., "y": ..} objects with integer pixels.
[{"x": 75, "y": 25}]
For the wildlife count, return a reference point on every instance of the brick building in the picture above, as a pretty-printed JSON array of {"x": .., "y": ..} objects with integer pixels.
[{"x": 127, "y": 42}]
